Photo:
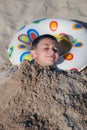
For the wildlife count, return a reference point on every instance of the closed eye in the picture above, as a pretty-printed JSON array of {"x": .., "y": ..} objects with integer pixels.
[
  {"x": 55, "y": 50},
  {"x": 46, "y": 48}
]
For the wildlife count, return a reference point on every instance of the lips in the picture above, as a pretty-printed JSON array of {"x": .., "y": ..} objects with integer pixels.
[{"x": 51, "y": 57}]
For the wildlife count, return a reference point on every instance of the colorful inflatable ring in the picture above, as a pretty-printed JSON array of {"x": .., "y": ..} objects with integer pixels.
[{"x": 75, "y": 59}]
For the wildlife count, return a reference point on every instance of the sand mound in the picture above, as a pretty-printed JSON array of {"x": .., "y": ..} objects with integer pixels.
[{"x": 43, "y": 99}]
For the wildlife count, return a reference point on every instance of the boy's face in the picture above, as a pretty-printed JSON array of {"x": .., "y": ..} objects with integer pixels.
[{"x": 46, "y": 53}]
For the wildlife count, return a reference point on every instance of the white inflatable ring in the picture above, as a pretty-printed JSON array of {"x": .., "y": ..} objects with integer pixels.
[{"x": 75, "y": 59}]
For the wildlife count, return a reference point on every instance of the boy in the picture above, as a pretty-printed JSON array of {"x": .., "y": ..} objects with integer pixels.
[{"x": 35, "y": 86}]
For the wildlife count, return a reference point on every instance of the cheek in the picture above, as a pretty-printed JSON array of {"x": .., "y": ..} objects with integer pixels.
[
  {"x": 57, "y": 56},
  {"x": 40, "y": 55}
]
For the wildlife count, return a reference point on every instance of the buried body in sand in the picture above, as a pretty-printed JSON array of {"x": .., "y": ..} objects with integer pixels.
[{"x": 40, "y": 97}]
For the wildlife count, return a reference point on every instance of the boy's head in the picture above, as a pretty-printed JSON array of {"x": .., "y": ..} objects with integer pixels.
[{"x": 45, "y": 50}]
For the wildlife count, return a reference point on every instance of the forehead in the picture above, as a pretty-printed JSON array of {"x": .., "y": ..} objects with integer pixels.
[{"x": 48, "y": 42}]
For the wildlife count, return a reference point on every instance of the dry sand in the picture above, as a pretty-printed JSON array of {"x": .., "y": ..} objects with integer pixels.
[
  {"x": 59, "y": 103},
  {"x": 37, "y": 98}
]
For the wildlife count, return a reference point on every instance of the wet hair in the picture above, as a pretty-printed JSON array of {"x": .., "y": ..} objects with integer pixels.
[{"x": 41, "y": 37}]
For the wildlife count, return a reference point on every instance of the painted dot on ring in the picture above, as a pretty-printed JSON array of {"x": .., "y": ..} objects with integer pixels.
[
  {"x": 33, "y": 34},
  {"x": 21, "y": 28},
  {"x": 24, "y": 38},
  {"x": 74, "y": 70},
  {"x": 25, "y": 55},
  {"x": 38, "y": 21},
  {"x": 53, "y": 25},
  {"x": 77, "y": 26},
  {"x": 79, "y": 44},
  {"x": 21, "y": 46},
  {"x": 10, "y": 51},
  {"x": 68, "y": 56}
]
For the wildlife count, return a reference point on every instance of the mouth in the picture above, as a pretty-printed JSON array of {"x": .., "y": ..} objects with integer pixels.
[{"x": 51, "y": 57}]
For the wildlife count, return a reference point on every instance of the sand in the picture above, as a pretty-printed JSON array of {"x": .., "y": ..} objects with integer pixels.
[{"x": 65, "y": 107}]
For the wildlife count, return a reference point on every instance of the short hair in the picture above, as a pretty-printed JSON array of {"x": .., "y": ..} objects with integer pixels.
[{"x": 41, "y": 37}]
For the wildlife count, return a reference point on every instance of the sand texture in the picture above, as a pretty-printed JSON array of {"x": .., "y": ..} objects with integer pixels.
[{"x": 42, "y": 98}]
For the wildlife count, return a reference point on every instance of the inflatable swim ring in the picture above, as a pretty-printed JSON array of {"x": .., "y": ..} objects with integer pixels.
[{"x": 75, "y": 59}]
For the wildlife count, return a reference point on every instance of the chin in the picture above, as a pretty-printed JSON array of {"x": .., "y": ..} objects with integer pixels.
[{"x": 50, "y": 64}]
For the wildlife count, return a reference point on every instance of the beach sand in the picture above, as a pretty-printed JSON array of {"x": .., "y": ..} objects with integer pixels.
[{"x": 14, "y": 15}]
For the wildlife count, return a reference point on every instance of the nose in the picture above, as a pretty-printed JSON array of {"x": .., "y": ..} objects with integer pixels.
[{"x": 51, "y": 51}]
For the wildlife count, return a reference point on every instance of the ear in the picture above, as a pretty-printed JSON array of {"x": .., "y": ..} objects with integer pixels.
[{"x": 33, "y": 53}]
